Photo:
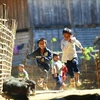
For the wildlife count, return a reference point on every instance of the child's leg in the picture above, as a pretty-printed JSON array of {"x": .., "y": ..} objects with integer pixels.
[
  {"x": 77, "y": 71},
  {"x": 58, "y": 80},
  {"x": 63, "y": 79},
  {"x": 77, "y": 77},
  {"x": 45, "y": 86},
  {"x": 45, "y": 66},
  {"x": 40, "y": 82},
  {"x": 72, "y": 82},
  {"x": 69, "y": 65},
  {"x": 78, "y": 83},
  {"x": 64, "y": 86}
]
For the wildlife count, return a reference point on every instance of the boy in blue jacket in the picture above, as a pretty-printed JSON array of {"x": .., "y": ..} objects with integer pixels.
[{"x": 42, "y": 55}]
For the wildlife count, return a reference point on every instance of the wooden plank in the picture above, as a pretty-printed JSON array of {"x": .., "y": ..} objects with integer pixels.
[
  {"x": 1, "y": 11},
  {"x": 98, "y": 10},
  {"x": 93, "y": 12},
  {"x": 26, "y": 14},
  {"x": 22, "y": 11}
]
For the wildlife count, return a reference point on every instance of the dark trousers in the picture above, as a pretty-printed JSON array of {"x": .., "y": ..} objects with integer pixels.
[
  {"x": 58, "y": 80},
  {"x": 44, "y": 66},
  {"x": 72, "y": 66}
]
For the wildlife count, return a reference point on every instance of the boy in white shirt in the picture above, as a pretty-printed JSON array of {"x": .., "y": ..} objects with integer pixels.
[{"x": 69, "y": 55}]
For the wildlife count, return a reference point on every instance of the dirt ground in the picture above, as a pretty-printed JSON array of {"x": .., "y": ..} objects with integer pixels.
[{"x": 47, "y": 95}]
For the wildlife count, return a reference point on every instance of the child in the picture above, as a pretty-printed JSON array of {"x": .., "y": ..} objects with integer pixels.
[
  {"x": 23, "y": 75},
  {"x": 57, "y": 72},
  {"x": 69, "y": 56},
  {"x": 43, "y": 55},
  {"x": 22, "y": 72}
]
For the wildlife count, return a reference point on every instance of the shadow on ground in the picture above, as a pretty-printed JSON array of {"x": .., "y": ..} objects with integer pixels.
[{"x": 80, "y": 97}]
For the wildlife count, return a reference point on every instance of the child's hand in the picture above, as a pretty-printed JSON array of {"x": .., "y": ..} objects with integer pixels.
[
  {"x": 55, "y": 75},
  {"x": 42, "y": 59},
  {"x": 82, "y": 50}
]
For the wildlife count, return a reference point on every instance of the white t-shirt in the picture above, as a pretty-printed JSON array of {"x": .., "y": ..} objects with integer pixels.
[
  {"x": 69, "y": 49},
  {"x": 57, "y": 66}
]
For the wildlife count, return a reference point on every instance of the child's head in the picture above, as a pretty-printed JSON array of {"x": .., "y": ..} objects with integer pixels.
[
  {"x": 21, "y": 67},
  {"x": 42, "y": 43},
  {"x": 67, "y": 33},
  {"x": 56, "y": 57}
]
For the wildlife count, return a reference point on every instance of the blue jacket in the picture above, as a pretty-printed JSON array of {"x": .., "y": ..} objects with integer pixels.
[{"x": 47, "y": 55}]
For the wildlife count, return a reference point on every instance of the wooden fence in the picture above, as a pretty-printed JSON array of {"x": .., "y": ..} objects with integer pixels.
[{"x": 7, "y": 36}]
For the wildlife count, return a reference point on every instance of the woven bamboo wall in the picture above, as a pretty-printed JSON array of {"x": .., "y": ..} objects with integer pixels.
[{"x": 7, "y": 36}]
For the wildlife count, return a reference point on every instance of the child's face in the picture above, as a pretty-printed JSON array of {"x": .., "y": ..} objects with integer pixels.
[
  {"x": 56, "y": 58},
  {"x": 42, "y": 44},
  {"x": 21, "y": 68},
  {"x": 67, "y": 36}
]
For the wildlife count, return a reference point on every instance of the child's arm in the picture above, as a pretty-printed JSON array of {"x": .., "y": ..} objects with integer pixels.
[
  {"x": 78, "y": 44},
  {"x": 26, "y": 76},
  {"x": 31, "y": 55},
  {"x": 55, "y": 71}
]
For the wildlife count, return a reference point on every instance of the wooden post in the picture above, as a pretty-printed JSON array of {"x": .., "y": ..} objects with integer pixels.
[
  {"x": 70, "y": 17},
  {"x": 30, "y": 7}
]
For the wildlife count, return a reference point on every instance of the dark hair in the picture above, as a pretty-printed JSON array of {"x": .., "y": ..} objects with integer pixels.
[
  {"x": 67, "y": 30},
  {"x": 55, "y": 54},
  {"x": 42, "y": 39},
  {"x": 41, "y": 77}
]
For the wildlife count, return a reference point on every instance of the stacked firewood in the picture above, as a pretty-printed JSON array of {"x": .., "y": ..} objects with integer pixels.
[{"x": 7, "y": 36}]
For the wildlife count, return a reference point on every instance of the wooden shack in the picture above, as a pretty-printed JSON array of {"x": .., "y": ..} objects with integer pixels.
[{"x": 47, "y": 18}]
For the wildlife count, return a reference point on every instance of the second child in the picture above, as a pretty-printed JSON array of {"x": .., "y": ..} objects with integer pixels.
[
  {"x": 69, "y": 56},
  {"x": 57, "y": 67}
]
